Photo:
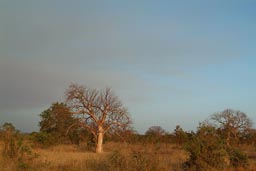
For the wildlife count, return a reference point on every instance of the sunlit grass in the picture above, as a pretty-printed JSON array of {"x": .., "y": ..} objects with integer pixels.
[
  {"x": 164, "y": 157},
  {"x": 70, "y": 157}
]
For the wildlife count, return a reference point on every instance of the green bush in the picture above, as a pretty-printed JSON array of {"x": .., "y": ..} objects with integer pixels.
[
  {"x": 208, "y": 151},
  {"x": 43, "y": 139}
]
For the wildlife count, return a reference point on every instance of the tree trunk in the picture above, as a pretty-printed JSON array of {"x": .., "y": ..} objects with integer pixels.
[{"x": 99, "y": 147}]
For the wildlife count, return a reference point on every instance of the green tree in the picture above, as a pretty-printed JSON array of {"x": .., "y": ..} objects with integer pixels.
[{"x": 54, "y": 124}]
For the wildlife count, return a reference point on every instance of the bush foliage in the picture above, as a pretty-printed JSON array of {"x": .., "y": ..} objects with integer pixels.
[{"x": 209, "y": 150}]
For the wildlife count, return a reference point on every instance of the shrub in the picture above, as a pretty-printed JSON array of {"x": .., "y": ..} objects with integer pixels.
[
  {"x": 208, "y": 150},
  {"x": 43, "y": 139},
  {"x": 238, "y": 158},
  {"x": 117, "y": 161},
  {"x": 15, "y": 148}
]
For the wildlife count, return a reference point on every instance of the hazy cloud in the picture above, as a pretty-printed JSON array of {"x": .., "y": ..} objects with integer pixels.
[{"x": 151, "y": 54}]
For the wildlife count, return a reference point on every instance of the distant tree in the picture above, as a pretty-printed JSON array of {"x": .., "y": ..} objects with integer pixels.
[
  {"x": 232, "y": 124},
  {"x": 55, "y": 121},
  {"x": 155, "y": 134},
  {"x": 155, "y": 131},
  {"x": 97, "y": 111}
]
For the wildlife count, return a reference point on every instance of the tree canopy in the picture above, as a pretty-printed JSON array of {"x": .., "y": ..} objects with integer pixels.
[
  {"x": 56, "y": 120},
  {"x": 232, "y": 124}
]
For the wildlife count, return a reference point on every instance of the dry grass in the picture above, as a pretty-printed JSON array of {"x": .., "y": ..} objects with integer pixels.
[
  {"x": 69, "y": 157},
  {"x": 167, "y": 157},
  {"x": 60, "y": 156}
]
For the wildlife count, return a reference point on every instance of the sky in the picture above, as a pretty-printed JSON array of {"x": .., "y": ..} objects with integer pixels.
[{"x": 171, "y": 62}]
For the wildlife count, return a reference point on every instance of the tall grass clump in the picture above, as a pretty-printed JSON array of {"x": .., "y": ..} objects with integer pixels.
[
  {"x": 118, "y": 161},
  {"x": 139, "y": 157}
]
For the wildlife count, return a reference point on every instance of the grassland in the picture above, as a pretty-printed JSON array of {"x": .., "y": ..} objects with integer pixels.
[{"x": 116, "y": 157}]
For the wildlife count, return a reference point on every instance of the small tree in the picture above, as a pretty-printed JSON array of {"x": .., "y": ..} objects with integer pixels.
[{"x": 98, "y": 111}]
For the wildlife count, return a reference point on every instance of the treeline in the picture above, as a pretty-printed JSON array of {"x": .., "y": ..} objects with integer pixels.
[{"x": 58, "y": 126}]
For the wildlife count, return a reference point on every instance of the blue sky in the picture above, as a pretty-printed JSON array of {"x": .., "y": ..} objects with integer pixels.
[{"x": 170, "y": 62}]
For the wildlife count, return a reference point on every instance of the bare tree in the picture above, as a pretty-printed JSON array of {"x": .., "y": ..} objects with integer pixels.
[
  {"x": 232, "y": 123},
  {"x": 97, "y": 111}
]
